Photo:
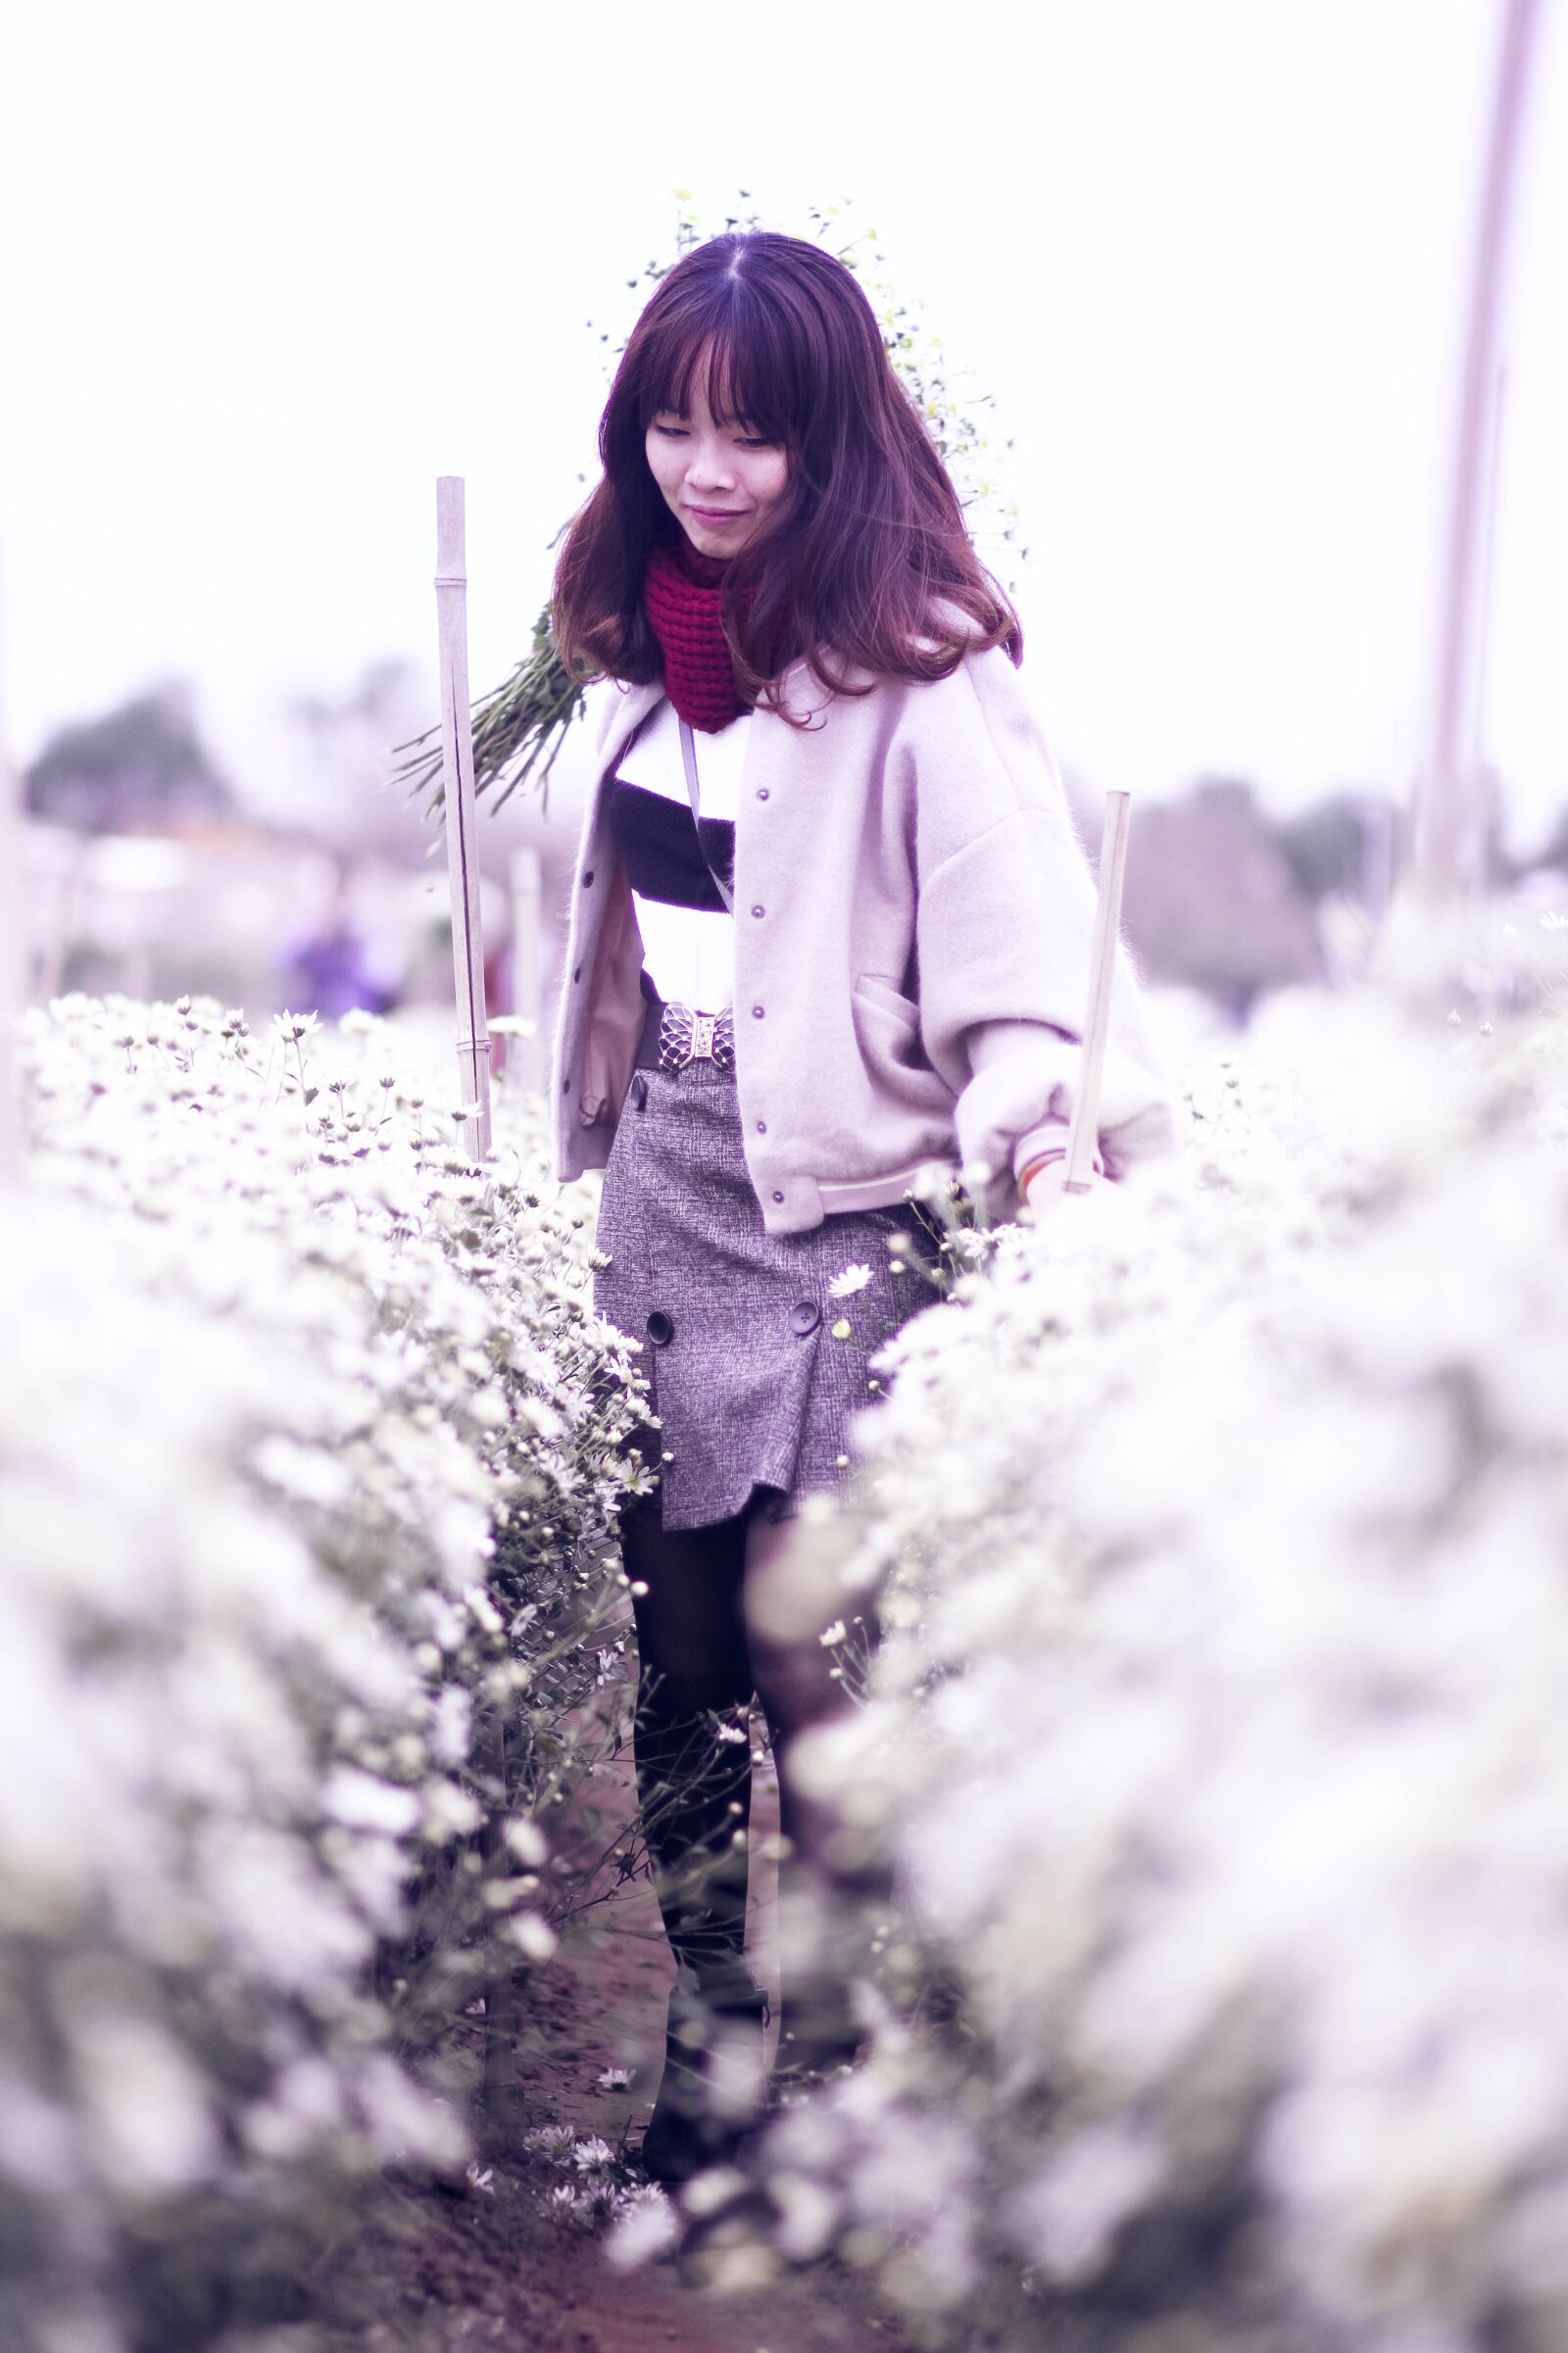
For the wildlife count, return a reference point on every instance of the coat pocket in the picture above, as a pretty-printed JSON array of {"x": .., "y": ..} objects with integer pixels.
[
  {"x": 891, "y": 998},
  {"x": 887, "y": 1027}
]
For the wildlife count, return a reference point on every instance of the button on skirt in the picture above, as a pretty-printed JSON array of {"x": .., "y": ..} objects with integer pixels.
[{"x": 752, "y": 1377}]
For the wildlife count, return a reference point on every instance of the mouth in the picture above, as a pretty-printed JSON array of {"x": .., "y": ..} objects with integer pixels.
[{"x": 716, "y": 515}]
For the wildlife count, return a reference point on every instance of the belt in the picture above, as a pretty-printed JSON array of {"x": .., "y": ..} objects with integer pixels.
[{"x": 676, "y": 1034}]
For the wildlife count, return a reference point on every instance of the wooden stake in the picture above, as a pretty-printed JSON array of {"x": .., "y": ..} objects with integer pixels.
[
  {"x": 1444, "y": 838},
  {"x": 457, "y": 776},
  {"x": 527, "y": 921},
  {"x": 1082, "y": 1135}
]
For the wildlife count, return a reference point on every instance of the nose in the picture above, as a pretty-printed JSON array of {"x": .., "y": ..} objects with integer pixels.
[{"x": 710, "y": 468}]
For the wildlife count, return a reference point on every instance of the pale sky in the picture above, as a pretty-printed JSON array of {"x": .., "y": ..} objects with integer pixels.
[{"x": 267, "y": 272}]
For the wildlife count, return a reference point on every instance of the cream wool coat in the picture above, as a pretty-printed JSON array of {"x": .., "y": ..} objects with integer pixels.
[{"x": 914, "y": 913}]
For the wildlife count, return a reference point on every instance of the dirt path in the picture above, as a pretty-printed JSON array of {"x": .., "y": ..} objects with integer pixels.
[{"x": 430, "y": 2272}]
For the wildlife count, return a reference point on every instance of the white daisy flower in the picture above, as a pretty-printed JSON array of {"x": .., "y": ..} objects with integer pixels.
[
  {"x": 834, "y": 1634},
  {"x": 854, "y": 1278},
  {"x": 615, "y": 2079},
  {"x": 644, "y": 2227},
  {"x": 592, "y": 2152}
]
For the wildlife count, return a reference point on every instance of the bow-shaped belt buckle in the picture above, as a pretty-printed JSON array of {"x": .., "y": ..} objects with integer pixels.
[{"x": 685, "y": 1036}]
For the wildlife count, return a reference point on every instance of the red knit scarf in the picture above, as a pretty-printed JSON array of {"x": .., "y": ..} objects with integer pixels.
[{"x": 684, "y": 591}]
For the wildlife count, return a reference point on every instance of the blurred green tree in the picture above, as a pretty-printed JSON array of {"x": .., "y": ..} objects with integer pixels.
[{"x": 139, "y": 769}]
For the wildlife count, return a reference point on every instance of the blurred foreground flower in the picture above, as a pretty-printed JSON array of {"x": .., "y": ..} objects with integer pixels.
[
  {"x": 308, "y": 1447},
  {"x": 1215, "y": 1745}
]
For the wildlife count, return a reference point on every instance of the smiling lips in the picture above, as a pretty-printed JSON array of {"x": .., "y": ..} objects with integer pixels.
[{"x": 718, "y": 514}]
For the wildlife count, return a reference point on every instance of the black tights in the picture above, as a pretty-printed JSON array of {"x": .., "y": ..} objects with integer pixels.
[{"x": 702, "y": 1657}]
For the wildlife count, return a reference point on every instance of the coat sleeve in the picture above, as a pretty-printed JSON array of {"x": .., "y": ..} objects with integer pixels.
[{"x": 1005, "y": 925}]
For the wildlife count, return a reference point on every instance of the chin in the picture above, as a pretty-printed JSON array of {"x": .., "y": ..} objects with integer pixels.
[{"x": 709, "y": 541}]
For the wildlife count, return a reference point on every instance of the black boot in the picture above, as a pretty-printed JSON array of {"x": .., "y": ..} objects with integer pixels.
[
  {"x": 713, "y": 2087},
  {"x": 696, "y": 1802},
  {"x": 824, "y": 1937},
  {"x": 809, "y": 2052}
]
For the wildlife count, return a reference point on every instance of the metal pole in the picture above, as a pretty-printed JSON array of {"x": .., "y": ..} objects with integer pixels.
[
  {"x": 13, "y": 970},
  {"x": 14, "y": 973},
  {"x": 1478, "y": 698},
  {"x": 456, "y": 775}
]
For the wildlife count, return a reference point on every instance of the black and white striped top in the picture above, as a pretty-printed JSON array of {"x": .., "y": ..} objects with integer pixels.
[{"x": 687, "y": 932}]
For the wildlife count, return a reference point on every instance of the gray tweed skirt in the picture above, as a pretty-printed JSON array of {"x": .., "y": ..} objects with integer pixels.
[{"x": 755, "y": 1366}]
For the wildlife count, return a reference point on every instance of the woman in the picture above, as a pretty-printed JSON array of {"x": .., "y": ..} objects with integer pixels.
[{"x": 830, "y": 925}]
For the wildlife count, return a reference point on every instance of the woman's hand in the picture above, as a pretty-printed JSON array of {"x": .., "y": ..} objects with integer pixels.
[
  {"x": 1047, "y": 1184},
  {"x": 1040, "y": 1166}
]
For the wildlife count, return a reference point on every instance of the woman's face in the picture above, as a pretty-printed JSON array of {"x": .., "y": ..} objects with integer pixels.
[{"x": 719, "y": 483}]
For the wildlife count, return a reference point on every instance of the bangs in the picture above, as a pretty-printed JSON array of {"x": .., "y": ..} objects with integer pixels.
[
  {"x": 866, "y": 571},
  {"x": 744, "y": 382}
]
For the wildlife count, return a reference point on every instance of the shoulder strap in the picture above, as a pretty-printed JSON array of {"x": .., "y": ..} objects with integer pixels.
[{"x": 688, "y": 753}]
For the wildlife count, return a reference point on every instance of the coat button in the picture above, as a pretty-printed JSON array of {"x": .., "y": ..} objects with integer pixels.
[
  {"x": 805, "y": 1317},
  {"x": 757, "y": 1011},
  {"x": 761, "y": 792},
  {"x": 759, "y": 911},
  {"x": 639, "y": 1089},
  {"x": 660, "y": 1328},
  {"x": 778, "y": 1197},
  {"x": 762, "y": 1127}
]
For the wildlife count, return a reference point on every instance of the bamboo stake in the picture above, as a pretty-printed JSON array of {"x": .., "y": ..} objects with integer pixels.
[
  {"x": 456, "y": 775},
  {"x": 527, "y": 921},
  {"x": 1083, "y": 1134},
  {"x": 1443, "y": 862}
]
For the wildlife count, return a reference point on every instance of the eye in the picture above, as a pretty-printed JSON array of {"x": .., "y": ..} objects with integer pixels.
[{"x": 671, "y": 432}]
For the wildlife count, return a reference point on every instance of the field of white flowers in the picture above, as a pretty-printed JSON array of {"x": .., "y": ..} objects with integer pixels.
[
  {"x": 1218, "y": 1745},
  {"x": 1219, "y": 1528},
  {"x": 309, "y": 1446}
]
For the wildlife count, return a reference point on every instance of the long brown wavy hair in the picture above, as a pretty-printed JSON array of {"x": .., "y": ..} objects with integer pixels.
[{"x": 867, "y": 540}]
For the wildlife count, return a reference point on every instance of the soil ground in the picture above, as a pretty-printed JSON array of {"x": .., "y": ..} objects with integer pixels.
[{"x": 432, "y": 2271}]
